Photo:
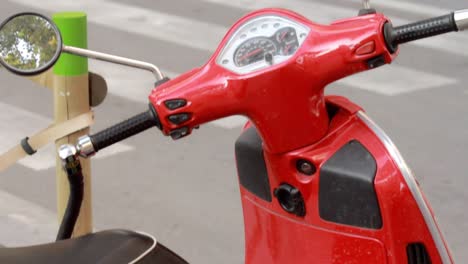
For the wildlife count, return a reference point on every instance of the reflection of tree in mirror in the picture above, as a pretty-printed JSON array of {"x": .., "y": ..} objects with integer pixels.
[{"x": 27, "y": 42}]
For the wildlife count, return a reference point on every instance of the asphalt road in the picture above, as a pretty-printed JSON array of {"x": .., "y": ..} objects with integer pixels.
[{"x": 186, "y": 192}]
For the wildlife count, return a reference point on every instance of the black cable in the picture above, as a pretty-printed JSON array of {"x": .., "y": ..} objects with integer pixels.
[{"x": 75, "y": 181}]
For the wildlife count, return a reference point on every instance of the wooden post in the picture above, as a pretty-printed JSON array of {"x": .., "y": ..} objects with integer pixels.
[
  {"x": 71, "y": 98},
  {"x": 44, "y": 79}
]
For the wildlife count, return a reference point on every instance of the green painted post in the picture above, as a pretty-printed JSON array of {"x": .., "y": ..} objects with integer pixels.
[
  {"x": 73, "y": 26},
  {"x": 71, "y": 98}
]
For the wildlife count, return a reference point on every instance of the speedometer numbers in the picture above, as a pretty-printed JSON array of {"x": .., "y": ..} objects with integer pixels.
[
  {"x": 254, "y": 50},
  {"x": 283, "y": 43}
]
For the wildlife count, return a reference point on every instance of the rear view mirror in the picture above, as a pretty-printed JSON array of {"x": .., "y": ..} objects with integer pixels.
[{"x": 30, "y": 43}]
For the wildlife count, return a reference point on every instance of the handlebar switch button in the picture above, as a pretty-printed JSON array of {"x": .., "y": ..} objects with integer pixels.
[
  {"x": 376, "y": 62},
  {"x": 174, "y": 104},
  {"x": 179, "y": 133},
  {"x": 178, "y": 119}
]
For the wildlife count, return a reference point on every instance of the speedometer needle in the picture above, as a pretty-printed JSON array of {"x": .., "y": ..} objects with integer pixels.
[
  {"x": 283, "y": 35},
  {"x": 252, "y": 53}
]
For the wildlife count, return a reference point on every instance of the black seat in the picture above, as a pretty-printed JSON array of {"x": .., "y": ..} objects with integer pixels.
[{"x": 112, "y": 246}]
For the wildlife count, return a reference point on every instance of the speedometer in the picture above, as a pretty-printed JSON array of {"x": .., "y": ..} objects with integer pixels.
[
  {"x": 262, "y": 42},
  {"x": 254, "y": 50}
]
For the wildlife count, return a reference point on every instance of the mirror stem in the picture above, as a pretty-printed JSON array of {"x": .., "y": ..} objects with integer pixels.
[{"x": 115, "y": 59}]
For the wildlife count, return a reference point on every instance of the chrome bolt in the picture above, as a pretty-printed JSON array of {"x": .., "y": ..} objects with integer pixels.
[
  {"x": 66, "y": 151},
  {"x": 69, "y": 157}
]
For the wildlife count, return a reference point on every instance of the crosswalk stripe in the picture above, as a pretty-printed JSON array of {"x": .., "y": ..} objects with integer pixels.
[
  {"x": 319, "y": 12},
  {"x": 399, "y": 5},
  {"x": 391, "y": 80},
  {"x": 24, "y": 223},
  {"x": 14, "y": 127},
  {"x": 230, "y": 122},
  {"x": 137, "y": 20},
  {"x": 129, "y": 83}
]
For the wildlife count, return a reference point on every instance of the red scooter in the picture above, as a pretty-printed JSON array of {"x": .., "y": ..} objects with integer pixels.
[{"x": 320, "y": 182}]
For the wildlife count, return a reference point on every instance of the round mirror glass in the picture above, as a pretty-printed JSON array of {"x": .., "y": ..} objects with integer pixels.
[{"x": 29, "y": 43}]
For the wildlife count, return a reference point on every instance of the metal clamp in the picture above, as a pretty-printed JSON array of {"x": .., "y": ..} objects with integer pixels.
[{"x": 85, "y": 147}]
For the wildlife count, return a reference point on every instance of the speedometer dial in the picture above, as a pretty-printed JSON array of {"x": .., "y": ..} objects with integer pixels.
[
  {"x": 254, "y": 50},
  {"x": 262, "y": 42}
]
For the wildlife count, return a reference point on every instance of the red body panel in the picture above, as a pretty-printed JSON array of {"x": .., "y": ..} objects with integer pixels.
[
  {"x": 287, "y": 105},
  {"x": 274, "y": 235}
]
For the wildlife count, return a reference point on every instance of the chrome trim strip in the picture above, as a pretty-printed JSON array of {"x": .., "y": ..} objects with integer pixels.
[
  {"x": 413, "y": 186},
  {"x": 155, "y": 242}
]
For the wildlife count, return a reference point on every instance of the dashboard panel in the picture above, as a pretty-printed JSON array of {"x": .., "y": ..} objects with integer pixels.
[{"x": 262, "y": 42}]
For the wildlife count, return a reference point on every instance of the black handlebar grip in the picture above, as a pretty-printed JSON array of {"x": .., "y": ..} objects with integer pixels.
[
  {"x": 418, "y": 30},
  {"x": 125, "y": 129}
]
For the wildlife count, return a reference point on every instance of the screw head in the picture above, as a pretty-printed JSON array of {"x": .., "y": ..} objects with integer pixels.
[{"x": 305, "y": 167}]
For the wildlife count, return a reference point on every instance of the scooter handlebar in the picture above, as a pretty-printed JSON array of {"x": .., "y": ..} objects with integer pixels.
[
  {"x": 454, "y": 21},
  {"x": 88, "y": 145}
]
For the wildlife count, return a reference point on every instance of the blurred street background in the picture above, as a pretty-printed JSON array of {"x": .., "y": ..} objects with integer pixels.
[{"x": 186, "y": 192}]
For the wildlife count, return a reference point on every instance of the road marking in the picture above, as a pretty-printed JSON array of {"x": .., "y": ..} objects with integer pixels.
[
  {"x": 17, "y": 123},
  {"x": 318, "y": 11},
  {"x": 24, "y": 223},
  {"x": 45, "y": 158},
  {"x": 136, "y": 20},
  {"x": 126, "y": 82},
  {"x": 391, "y": 80},
  {"x": 315, "y": 11},
  {"x": 230, "y": 122},
  {"x": 423, "y": 9}
]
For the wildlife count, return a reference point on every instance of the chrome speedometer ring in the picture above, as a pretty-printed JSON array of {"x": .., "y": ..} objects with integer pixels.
[{"x": 254, "y": 50}]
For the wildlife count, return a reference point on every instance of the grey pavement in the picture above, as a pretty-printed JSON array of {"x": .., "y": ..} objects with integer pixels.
[{"x": 186, "y": 192}]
